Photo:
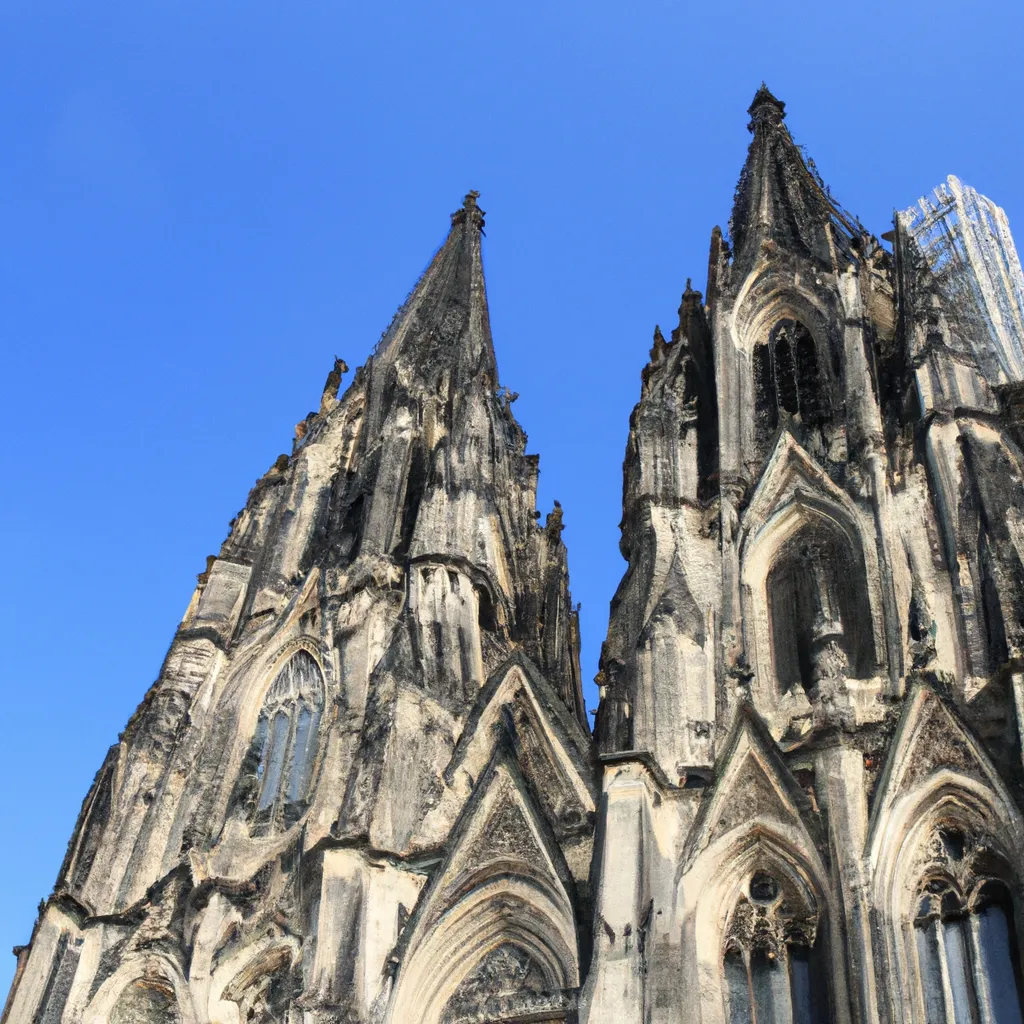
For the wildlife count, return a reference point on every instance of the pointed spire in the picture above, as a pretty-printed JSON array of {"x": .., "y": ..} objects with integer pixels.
[
  {"x": 765, "y": 110},
  {"x": 470, "y": 211},
  {"x": 443, "y": 327},
  {"x": 448, "y": 307},
  {"x": 779, "y": 201}
]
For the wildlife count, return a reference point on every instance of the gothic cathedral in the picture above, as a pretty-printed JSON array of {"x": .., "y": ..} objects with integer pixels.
[{"x": 364, "y": 788}]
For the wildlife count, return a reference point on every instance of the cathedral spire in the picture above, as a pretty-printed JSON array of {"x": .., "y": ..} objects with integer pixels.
[
  {"x": 765, "y": 110},
  {"x": 444, "y": 324},
  {"x": 779, "y": 200}
]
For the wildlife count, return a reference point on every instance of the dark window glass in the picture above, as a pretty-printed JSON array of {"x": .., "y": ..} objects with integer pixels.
[
  {"x": 286, "y": 740},
  {"x": 953, "y": 843},
  {"x": 998, "y": 955},
  {"x": 979, "y": 949},
  {"x": 958, "y": 968},
  {"x": 763, "y": 888},
  {"x": 770, "y": 988},
  {"x": 800, "y": 985},
  {"x": 738, "y": 987},
  {"x": 765, "y": 399},
  {"x": 931, "y": 973},
  {"x": 275, "y": 760},
  {"x": 814, "y": 403}
]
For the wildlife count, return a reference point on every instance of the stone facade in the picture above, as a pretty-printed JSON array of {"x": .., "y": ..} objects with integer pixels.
[{"x": 364, "y": 789}]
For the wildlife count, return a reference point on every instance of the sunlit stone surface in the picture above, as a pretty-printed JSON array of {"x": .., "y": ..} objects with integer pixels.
[{"x": 364, "y": 788}]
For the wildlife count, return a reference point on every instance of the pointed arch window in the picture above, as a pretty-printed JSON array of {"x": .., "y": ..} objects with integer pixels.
[
  {"x": 774, "y": 970},
  {"x": 286, "y": 742},
  {"x": 965, "y": 935}
]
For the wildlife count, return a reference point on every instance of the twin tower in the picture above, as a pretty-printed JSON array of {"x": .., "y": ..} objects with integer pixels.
[{"x": 364, "y": 789}]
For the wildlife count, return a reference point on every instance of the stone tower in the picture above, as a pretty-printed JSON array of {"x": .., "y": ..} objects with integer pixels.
[
  {"x": 363, "y": 789},
  {"x": 811, "y": 688},
  {"x": 366, "y": 755}
]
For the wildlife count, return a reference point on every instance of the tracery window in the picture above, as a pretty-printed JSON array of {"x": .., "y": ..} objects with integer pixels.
[
  {"x": 773, "y": 965},
  {"x": 286, "y": 742},
  {"x": 965, "y": 935}
]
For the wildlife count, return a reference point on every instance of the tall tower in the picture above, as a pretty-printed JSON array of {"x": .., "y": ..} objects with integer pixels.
[
  {"x": 362, "y": 787},
  {"x": 363, "y": 790},
  {"x": 811, "y": 688}
]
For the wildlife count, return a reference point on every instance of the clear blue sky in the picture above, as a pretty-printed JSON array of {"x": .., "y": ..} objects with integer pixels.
[{"x": 202, "y": 203}]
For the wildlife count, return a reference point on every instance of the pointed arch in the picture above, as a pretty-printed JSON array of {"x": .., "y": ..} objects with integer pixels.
[
  {"x": 764, "y": 302},
  {"x": 503, "y": 892},
  {"x": 761, "y": 304},
  {"x": 795, "y": 498},
  {"x": 721, "y": 887},
  {"x": 277, "y": 773},
  {"x": 756, "y": 822},
  {"x": 148, "y": 989},
  {"x": 938, "y": 778}
]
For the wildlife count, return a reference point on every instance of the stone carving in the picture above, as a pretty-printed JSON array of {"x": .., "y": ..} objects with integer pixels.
[
  {"x": 770, "y": 917},
  {"x": 505, "y": 985},
  {"x": 810, "y": 691}
]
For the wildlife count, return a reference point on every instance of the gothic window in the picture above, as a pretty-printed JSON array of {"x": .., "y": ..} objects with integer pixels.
[
  {"x": 820, "y": 619},
  {"x": 286, "y": 742},
  {"x": 766, "y": 402},
  {"x": 965, "y": 935},
  {"x": 785, "y": 373},
  {"x": 813, "y": 397},
  {"x": 788, "y": 378},
  {"x": 774, "y": 970}
]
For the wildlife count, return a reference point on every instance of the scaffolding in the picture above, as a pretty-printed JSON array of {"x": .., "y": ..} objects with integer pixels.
[{"x": 966, "y": 240}]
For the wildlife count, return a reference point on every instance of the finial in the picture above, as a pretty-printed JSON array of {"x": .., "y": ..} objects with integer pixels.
[
  {"x": 470, "y": 210},
  {"x": 660, "y": 344},
  {"x": 690, "y": 302},
  {"x": 765, "y": 109},
  {"x": 553, "y": 524}
]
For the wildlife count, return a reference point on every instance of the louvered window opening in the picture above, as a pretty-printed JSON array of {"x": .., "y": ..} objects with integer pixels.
[{"x": 789, "y": 380}]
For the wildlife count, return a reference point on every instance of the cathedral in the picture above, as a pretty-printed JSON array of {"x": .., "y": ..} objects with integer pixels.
[{"x": 365, "y": 789}]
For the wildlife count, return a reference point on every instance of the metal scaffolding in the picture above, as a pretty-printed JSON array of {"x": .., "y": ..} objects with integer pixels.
[{"x": 966, "y": 239}]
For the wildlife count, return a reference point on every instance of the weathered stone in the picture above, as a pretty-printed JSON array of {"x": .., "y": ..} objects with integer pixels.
[{"x": 363, "y": 789}]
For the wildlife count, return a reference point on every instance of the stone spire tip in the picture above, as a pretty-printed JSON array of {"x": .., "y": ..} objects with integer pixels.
[
  {"x": 765, "y": 109},
  {"x": 469, "y": 210}
]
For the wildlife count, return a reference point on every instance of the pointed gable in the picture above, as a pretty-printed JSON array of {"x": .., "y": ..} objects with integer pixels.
[
  {"x": 753, "y": 788},
  {"x": 503, "y": 883},
  {"x": 501, "y": 824},
  {"x": 792, "y": 475},
  {"x": 519, "y": 713},
  {"x": 933, "y": 744}
]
